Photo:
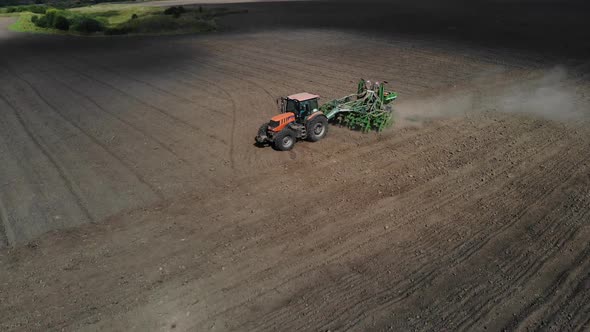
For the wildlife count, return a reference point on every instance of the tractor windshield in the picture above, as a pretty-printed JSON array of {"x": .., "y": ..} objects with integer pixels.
[{"x": 291, "y": 106}]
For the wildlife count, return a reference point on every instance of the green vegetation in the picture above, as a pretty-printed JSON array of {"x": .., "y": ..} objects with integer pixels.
[
  {"x": 37, "y": 9},
  {"x": 55, "y": 3},
  {"x": 52, "y": 19},
  {"x": 114, "y": 19},
  {"x": 24, "y": 23}
]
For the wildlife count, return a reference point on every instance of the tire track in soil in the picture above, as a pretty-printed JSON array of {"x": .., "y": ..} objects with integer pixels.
[
  {"x": 287, "y": 281},
  {"x": 232, "y": 144},
  {"x": 197, "y": 77},
  {"x": 72, "y": 188},
  {"x": 114, "y": 115},
  {"x": 413, "y": 280},
  {"x": 558, "y": 236},
  {"x": 497, "y": 83},
  {"x": 469, "y": 324},
  {"x": 238, "y": 69},
  {"x": 388, "y": 141},
  {"x": 93, "y": 139},
  {"x": 235, "y": 75},
  {"x": 519, "y": 264},
  {"x": 442, "y": 143},
  {"x": 361, "y": 245},
  {"x": 228, "y": 94},
  {"x": 189, "y": 164},
  {"x": 233, "y": 101},
  {"x": 326, "y": 164},
  {"x": 414, "y": 152},
  {"x": 583, "y": 311},
  {"x": 192, "y": 83},
  {"x": 425, "y": 195},
  {"x": 554, "y": 297},
  {"x": 523, "y": 271},
  {"x": 152, "y": 86},
  {"x": 291, "y": 78},
  {"x": 180, "y": 121},
  {"x": 240, "y": 65},
  {"x": 26, "y": 166},
  {"x": 6, "y": 234},
  {"x": 480, "y": 244},
  {"x": 304, "y": 271},
  {"x": 358, "y": 53},
  {"x": 323, "y": 65},
  {"x": 274, "y": 64},
  {"x": 517, "y": 218},
  {"x": 328, "y": 58},
  {"x": 508, "y": 58},
  {"x": 165, "y": 71}
]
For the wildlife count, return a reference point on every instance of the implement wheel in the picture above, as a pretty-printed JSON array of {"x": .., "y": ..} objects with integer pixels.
[
  {"x": 284, "y": 140},
  {"x": 317, "y": 128}
]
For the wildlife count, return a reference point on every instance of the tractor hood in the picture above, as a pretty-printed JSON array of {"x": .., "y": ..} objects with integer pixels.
[
  {"x": 278, "y": 122},
  {"x": 282, "y": 117}
]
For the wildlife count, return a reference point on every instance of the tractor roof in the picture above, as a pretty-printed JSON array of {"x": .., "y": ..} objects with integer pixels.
[{"x": 303, "y": 96}]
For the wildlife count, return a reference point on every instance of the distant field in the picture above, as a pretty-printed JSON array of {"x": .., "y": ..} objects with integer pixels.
[
  {"x": 114, "y": 19},
  {"x": 60, "y": 3},
  {"x": 117, "y": 13}
]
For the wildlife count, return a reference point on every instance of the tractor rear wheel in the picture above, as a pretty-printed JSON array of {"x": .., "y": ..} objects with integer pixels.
[
  {"x": 284, "y": 140},
  {"x": 317, "y": 128}
]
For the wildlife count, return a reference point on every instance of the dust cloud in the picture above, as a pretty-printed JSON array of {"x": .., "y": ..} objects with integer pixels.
[
  {"x": 416, "y": 112},
  {"x": 551, "y": 95}
]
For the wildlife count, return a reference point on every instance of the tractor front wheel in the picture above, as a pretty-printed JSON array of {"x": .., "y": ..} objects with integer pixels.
[
  {"x": 262, "y": 138},
  {"x": 317, "y": 128},
  {"x": 284, "y": 140}
]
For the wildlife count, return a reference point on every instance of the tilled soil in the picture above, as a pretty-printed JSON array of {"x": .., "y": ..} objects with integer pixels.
[{"x": 133, "y": 196}]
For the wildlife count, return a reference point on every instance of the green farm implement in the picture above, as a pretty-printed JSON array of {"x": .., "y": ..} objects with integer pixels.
[
  {"x": 301, "y": 117},
  {"x": 366, "y": 110}
]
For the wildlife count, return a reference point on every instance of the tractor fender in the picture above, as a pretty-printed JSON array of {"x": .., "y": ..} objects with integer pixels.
[{"x": 313, "y": 115}]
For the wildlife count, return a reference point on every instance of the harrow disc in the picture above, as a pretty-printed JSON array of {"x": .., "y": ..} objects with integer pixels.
[{"x": 377, "y": 120}]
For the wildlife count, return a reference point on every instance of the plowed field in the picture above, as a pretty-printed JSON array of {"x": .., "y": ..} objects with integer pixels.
[{"x": 133, "y": 196}]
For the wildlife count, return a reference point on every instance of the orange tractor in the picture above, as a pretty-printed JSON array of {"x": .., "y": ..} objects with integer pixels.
[
  {"x": 303, "y": 118},
  {"x": 300, "y": 118}
]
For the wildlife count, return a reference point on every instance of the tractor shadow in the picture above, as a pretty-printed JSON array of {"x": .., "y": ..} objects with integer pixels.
[{"x": 261, "y": 146}]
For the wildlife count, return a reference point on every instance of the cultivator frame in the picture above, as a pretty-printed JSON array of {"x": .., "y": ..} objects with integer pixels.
[{"x": 366, "y": 110}]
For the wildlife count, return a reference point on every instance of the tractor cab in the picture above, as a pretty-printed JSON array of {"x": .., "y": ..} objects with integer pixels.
[{"x": 301, "y": 104}]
